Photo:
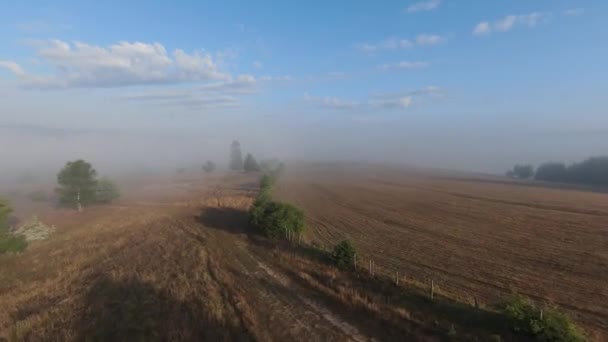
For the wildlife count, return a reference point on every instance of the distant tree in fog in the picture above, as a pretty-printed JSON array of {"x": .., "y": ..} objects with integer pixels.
[
  {"x": 236, "y": 157},
  {"x": 250, "y": 164},
  {"x": 209, "y": 166},
  {"x": 77, "y": 184},
  {"x": 552, "y": 172},
  {"x": 106, "y": 191},
  {"x": 521, "y": 171}
]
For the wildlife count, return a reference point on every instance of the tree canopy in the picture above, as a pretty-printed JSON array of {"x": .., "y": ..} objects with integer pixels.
[{"x": 77, "y": 184}]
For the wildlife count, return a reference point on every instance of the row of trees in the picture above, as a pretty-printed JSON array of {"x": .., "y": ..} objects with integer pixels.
[
  {"x": 590, "y": 171},
  {"x": 236, "y": 159},
  {"x": 237, "y": 163}
]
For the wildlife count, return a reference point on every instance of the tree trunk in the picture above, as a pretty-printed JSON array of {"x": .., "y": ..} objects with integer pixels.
[{"x": 78, "y": 205}]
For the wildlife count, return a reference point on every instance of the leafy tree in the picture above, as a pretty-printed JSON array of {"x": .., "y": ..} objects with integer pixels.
[
  {"x": 209, "y": 166},
  {"x": 343, "y": 254},
  {"x": 275, "y": 219},
  {"x": 77, "y": 184},
  {"x": 552, "y": 172},
  {"x": 250, "y": 164},
  {"x": 522, "y": 171},
  {"x": 106, "y": 191},
  {"x": 236, "y": 157}
]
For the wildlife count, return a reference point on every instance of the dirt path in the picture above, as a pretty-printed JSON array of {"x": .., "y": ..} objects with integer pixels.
[{"x": 281, "y": 310}]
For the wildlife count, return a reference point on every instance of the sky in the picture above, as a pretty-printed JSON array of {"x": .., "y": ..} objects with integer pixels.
[{"x": 470, "y": 85}]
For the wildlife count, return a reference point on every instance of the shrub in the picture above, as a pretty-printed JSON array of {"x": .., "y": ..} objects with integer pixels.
[
  {"x": 343, "y": 254},
  {"x": 524, "y": 317},
  {"x": 106, "y": 191},
  {"x": 274, "y": 219},
  {"x": 10, "y": 243}
]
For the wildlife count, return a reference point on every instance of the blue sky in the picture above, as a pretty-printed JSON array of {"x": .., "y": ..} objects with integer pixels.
[{"x": 470, "y": 85}]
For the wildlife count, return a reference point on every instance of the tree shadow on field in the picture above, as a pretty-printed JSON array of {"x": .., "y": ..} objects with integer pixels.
[
  {"x": 131, "y": 310},
  {"x": 225, "y": 218}
]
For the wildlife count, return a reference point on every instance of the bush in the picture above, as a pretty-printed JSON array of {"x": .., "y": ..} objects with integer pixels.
[
  {"x": 106, "y": 191},
  {"x": 275, "y": 219},
  {"x": 524, "y": 317},
  {"x": 343, "y": 254},
  {"x": 10, "y": 243}
]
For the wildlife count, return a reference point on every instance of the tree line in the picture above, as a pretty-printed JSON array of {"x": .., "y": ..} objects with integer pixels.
[{"x": 593, "y": 171}]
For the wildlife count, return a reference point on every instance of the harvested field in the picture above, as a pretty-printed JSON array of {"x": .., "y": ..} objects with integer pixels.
[
  {"x": 474, "y": 236},
  {"x": 175, "y": 259}
]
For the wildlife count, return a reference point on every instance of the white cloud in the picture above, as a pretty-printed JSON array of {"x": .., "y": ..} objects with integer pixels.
[
  {"x": 258, "y": 65},
  {"x": 509, "y": 22},
  {"x": 393, "y": 43},
  {"x": 427, "y": 5},
  {"x": 403, "y": 100},
  {"x": 122, "y": 64},
  {"x": 428, "y": 39},
  {"x": 220, "y": 94},
  {"x": 400, "y": 100},
  {"x": 404, "y": 65},
  {"x": 12, "y": 67},
  {"x": 330, "y": 102},
  {"x": 574, "y": 11},
  {"x": 482, "y": 28}
]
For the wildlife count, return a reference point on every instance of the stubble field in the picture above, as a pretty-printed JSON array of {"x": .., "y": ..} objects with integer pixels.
[{"x": 473, "y": 236}]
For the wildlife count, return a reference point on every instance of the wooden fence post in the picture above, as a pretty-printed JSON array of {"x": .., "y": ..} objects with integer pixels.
[
  {"x": 355, "y": 261},
  {"x": 432, "y": 289},
  {"x": 397, "y": 279}
]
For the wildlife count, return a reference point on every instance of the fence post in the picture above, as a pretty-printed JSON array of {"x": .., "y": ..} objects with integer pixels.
[
  {"x": 476, "y": 303},
  {"x": 397, "y": 278},
  {"x": 541, "y": 314},
  {"x": 432, "y": 289},
  {"x": 355, "y": 261},
  {"x": 370, "y": 267}
]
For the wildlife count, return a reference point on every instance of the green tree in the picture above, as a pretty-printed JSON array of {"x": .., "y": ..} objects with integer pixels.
[
  {"x": 275, "y": 219},
  {"x": 106, "y": 191},
  {"x": 209, "y": 166},
  {"x": 343, "y": 254},
  {"x": 236, "y": 157},
  {"x": 77, "y": 184},
  {"x": 250, "y": 164}
]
